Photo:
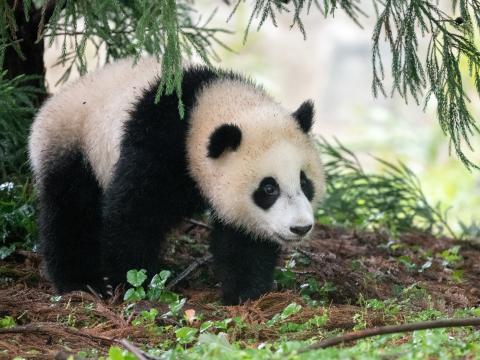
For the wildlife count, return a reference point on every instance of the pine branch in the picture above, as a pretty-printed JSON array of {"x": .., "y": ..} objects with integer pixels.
[
  {"x": 264, "y": 10},
  {"x": 402, "y": 24},
  {"x": 439, "y": 73},
  {"x": 165, "y": 29}
]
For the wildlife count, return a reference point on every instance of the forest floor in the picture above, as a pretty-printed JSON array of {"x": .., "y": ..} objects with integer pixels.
[{"x": 341, "y": 280}]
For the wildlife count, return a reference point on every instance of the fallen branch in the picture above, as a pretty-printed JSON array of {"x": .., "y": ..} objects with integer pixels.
[
  {"x": 192, "y": 267},
  {"x": 392, "y": 329},
  {"x": 53, "y": 330},
  {"x": 318, "y": 257},
  {"x": 139, "y": 353},
  {"x": 307, "y": 254},
  {"x": 94, "y": 293}
]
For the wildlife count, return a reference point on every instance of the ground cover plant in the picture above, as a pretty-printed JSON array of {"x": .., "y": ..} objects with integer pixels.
[
  {"x": 379, "y": 269},
  {"x": 342, "y": 280},
  {"x": 381, "y": 253}
]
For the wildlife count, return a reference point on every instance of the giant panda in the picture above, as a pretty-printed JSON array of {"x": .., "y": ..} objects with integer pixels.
[{"x": 115, "y": 171}]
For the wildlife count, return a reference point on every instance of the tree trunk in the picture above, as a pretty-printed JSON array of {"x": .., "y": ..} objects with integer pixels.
[{"x": 30, "y": 61}]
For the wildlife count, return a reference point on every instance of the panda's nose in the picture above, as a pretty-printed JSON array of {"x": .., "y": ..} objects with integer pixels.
[{"x": 300, "y": 230}]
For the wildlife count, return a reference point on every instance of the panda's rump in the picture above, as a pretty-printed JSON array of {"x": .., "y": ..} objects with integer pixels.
[{"x": 89, "y": 114}]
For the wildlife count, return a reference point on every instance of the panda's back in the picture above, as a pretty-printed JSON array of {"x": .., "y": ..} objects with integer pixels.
[{"x": 89, "y": 115}]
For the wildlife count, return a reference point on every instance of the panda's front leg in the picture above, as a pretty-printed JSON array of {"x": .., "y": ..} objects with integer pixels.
[
  {"x": 244, "y": 265},
  {"x": 144, "y": 200}
]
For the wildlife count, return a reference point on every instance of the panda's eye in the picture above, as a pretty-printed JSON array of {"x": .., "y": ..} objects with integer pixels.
[
  {"x": 270, "y": 189},
  {"x": 270, "y": 186}
]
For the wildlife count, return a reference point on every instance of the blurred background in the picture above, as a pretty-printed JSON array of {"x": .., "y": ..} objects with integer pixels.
[{"x": 332, "y": 66}]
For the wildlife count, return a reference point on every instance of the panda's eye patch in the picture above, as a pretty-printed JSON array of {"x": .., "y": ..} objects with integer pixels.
[
  {"x": 267, "y": 193},
  {"x": 307, "y": 186}
]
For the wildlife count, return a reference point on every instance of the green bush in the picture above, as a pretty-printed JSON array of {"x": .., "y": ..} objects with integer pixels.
[
  {"x": 17, "y": 217},
  {"x": 391, "y": 199},
  {"x": 16, "y": 114}
]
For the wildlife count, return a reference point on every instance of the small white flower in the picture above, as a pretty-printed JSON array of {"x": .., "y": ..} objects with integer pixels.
[{"x": 7, "y": 186}]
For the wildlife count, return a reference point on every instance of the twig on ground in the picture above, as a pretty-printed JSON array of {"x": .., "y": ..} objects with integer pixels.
[
  {"x": 63, "y": 355},
  {"x": 94, "y": 293},
  {"x": 316, "y": 257},
  {"x": 198, "y": 223},
  {"x": 140, "y": 354},
  {"x": 192, "y": 267},
  {"x": 29, "y": 255},
  {"x": 392, "y": 329},
  {"x": 50, "y": 329},
  {"x": 303, "y": 272},
  {"x": 117, "y": 297},
  {"x": 306, "y": 253}
]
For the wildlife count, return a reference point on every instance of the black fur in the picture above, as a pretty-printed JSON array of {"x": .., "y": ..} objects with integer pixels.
[
  {"x": 226, "y": 136},
  {"x": 151, "y": 189},
  {"x": 304, "y": 116},
  {"x": 69, "y": 220},
  {"x": 307, "y": 186},
  {"x": 267, "y": 193},
  {"x": 244, "y": 265},
  {"x": 87, "y": 235}
]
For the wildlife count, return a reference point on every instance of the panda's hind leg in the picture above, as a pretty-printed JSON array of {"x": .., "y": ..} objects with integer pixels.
[{"x": 69, "y": 221}]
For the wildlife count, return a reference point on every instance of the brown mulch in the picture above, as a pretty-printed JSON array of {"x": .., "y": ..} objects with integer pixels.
[{"x": 359, "y": 265}]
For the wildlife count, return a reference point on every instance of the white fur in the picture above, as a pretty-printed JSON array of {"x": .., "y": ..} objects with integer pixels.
[
  {"x": 284, "y": 162},
  {"x": 272, "y": 145},
  {"x": 288, "y": 211},
  {"x": 90, "y": 113}
]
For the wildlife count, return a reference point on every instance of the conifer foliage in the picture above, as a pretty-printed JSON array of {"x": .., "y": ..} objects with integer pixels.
[
  {"x": 173, "y": 30},
  {"x": 452, "y": 36}
]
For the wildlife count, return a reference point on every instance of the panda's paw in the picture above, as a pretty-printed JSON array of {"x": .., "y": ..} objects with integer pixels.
[
  {"x": 239, "y": 297},
  {"x": 108, "y": 288},
  {"x": 230, "y": 299}
]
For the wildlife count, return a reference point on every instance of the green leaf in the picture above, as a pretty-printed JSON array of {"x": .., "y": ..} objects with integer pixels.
[
  {"x": 168, "y": 297},
  {"x": 176, "y": 306},
  {"x": 185, "y": 335},
  {"x": 291, "y": 309},
  {"x": 6, "y": 251},
  {"x": 133, "y": 295},
  {"x": 223, "y": 324},
  {"x": 7, "y": 322},
  {"x": 136, "y": 277},
  {"x": 218, "y": 341},
  {"x": 159, "y": 280},
  {"x": 156, "y": 291},
  {"x": 285, "y": 277},
  {"x": 206, "y": 325},
  {"x": 115, "y": 353}
]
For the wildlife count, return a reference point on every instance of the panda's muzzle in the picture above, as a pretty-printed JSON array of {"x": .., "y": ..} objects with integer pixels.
[{"x": 297, "y": 234}]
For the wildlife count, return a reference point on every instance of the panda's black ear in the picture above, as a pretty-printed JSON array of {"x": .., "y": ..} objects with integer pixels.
[
  {"x": 304, "y": 116},
  {"x": 226, "y": 136}
]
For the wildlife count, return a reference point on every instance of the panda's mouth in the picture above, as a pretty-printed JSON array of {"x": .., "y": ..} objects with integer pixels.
[{"x": 292, "y": 240}]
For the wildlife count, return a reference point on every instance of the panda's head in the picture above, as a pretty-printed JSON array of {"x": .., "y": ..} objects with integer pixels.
[{"x": 259, "y": 168}]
